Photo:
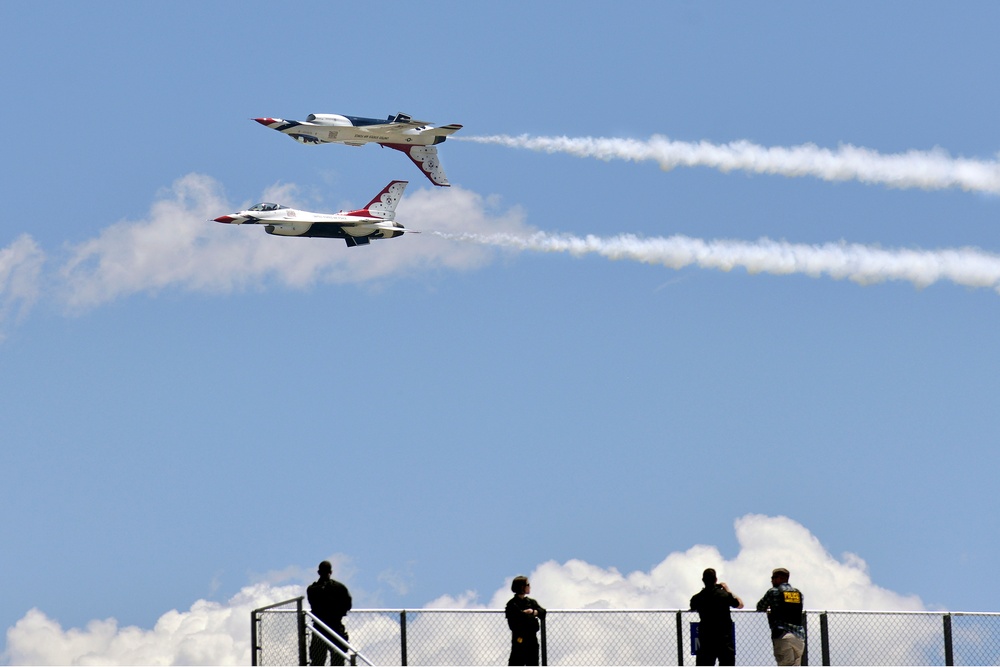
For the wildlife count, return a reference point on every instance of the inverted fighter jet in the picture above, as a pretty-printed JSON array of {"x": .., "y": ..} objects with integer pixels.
[
  {"x": 416, "y": 138},
  {"x": 374, "y": 221}
]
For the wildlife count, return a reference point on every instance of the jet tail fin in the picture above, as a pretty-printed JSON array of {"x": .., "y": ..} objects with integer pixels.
[
  {"x": 384, "y": 204},
  {"x": 426, "y": 158}
]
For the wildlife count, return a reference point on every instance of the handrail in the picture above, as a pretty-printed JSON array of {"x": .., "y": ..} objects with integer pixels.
[{"x": 326, "y": 640}]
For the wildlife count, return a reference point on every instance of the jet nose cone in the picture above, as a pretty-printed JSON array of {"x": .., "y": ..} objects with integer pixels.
[
  {"x": 225, "y": 218},
  {"x": 264, "y": 121}
]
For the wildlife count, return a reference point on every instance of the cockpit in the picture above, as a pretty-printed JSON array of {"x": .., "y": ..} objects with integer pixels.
[{"x": 266, "y": 206}]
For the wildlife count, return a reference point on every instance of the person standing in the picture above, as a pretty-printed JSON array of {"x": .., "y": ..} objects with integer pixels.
[
  {"x": 783, "y": 604},
  {"x": 522, "y": 614},
  {"x": 715, "y": 627},
  {"x": 329, "y": 601}
]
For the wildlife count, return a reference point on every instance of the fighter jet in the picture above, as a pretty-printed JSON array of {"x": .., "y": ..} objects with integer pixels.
[
  {"x": 416, "y": 138},
  {"x": 374, "y": 221}
]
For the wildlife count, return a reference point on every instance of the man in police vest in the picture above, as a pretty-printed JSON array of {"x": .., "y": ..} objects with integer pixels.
[{"x": 783, "y": 605}]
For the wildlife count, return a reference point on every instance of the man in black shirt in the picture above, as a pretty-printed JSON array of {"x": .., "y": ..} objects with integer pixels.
[
  {"x": 329, "y": 601},
  {"x": 715, "y": 631},
  {"x": 522, "y": 617}
]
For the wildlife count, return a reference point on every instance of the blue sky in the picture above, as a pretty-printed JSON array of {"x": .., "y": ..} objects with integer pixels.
[{"x": 441, "y": 415}]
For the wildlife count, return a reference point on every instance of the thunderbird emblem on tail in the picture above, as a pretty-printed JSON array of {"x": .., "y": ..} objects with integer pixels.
[
  {"x": 416, "y": 138},
  {"x": 374, "y": 221}
]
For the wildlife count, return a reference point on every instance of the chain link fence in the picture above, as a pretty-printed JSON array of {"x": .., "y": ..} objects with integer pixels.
[
  {"x": 635, "y": 637},
  {"x": 277, "y": 633}
]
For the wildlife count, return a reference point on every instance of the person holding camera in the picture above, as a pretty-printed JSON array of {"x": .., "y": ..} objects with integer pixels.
[{"x": 715, "y": 629}]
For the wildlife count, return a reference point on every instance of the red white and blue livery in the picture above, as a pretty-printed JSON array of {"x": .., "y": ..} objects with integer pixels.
[
  {"x": 374, "y": 221},
  {"x": 416, "y": 138}
]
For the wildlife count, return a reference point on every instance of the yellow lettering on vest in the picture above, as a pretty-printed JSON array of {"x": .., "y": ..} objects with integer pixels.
[{"x": 792, "y": 597}]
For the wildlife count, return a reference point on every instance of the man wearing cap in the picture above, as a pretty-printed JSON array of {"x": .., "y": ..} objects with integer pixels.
[
  {"x": 783, "y": 604},
  {"x": 329, "y": 601},
  {"x": 715, "y": 629},
  {"x": 522, "y": 615}
]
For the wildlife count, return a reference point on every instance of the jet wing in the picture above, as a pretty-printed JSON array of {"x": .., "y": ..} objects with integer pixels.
[
  {"x": 411, "y": 123},
  {"x": 425, "y": 157},
  {"x": 388, "y": 226},
  {"x": 390, "y": 128},
  {"x": 368, "y": 226}
]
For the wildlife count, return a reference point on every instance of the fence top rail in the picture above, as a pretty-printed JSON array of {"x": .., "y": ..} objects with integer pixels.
[
  {"x": 874, "y": 612},
  {"x": 500, "y": 611},
  {"x": 685, "y": 611},
  {"x": 973, "y": 613},
  {"x": 271, "y": 609},
  {"x": 281, "y": 604},
  {"x": 428, "y": 611}
]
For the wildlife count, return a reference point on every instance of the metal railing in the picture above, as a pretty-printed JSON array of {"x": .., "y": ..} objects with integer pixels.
[
  {"x": 631, "y": 637},
  {"x": 319, "y": 631}
]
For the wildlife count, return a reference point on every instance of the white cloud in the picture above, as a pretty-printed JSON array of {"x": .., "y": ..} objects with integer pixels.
[
  {"x": 398, "y": 579},
  {"x": 208, "y": 633},
  {"x": 177, "y": 246},
  {"x": 765, "y": 543},
  {"x": 214, "y": 633},
  {"x": 20, "y": 269}
]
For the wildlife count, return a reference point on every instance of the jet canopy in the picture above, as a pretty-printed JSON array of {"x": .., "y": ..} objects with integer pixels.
[{"x": 266, "y": 206}]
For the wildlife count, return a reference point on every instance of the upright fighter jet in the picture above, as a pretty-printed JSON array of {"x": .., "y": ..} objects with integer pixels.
[
  {"x": 374, "y": 221},
  {"x": 417, "y": 138}
]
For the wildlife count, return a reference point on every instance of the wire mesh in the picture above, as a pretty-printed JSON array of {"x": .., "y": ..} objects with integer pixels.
[
  {"x": 976, "y": 638},
  {"x": 611, "y": 637},
  {"x": 277, "y": 635},
  {"x": 640, "y": 637},
  {"x": 444, "y": 637},
  {"x": 376, "y": 635},
  {"x": 883, "y": 638}
]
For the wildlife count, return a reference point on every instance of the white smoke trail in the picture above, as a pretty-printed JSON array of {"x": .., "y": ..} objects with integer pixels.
[
  {"x": 860, "y": 263},
  {"x": 929, "y": 170}
]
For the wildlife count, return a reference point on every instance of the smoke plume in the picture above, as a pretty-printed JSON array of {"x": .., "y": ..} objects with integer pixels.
[
  {"x": 862, "y": 264},
  {"x": 928, "y": 170}
]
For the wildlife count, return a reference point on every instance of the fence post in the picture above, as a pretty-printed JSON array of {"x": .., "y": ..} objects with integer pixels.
[
  {"x": 680, "y": 639},
  {"x": 402, "y": 637},
  {"x": 805, "y": 639},
  {"x": 301, "y": 615},
  {"x": 949, "y": 655},
  {"x": 824, "y": 637},
  {"x": 545, "y": 647},
  {"x": 253, "y": 638}
]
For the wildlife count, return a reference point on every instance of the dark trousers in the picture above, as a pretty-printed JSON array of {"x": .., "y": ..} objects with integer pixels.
[
  {"x": 523, "y": 650},
  {"x": 710, "y": 651},
  {"x": 318, "y": 648}
]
